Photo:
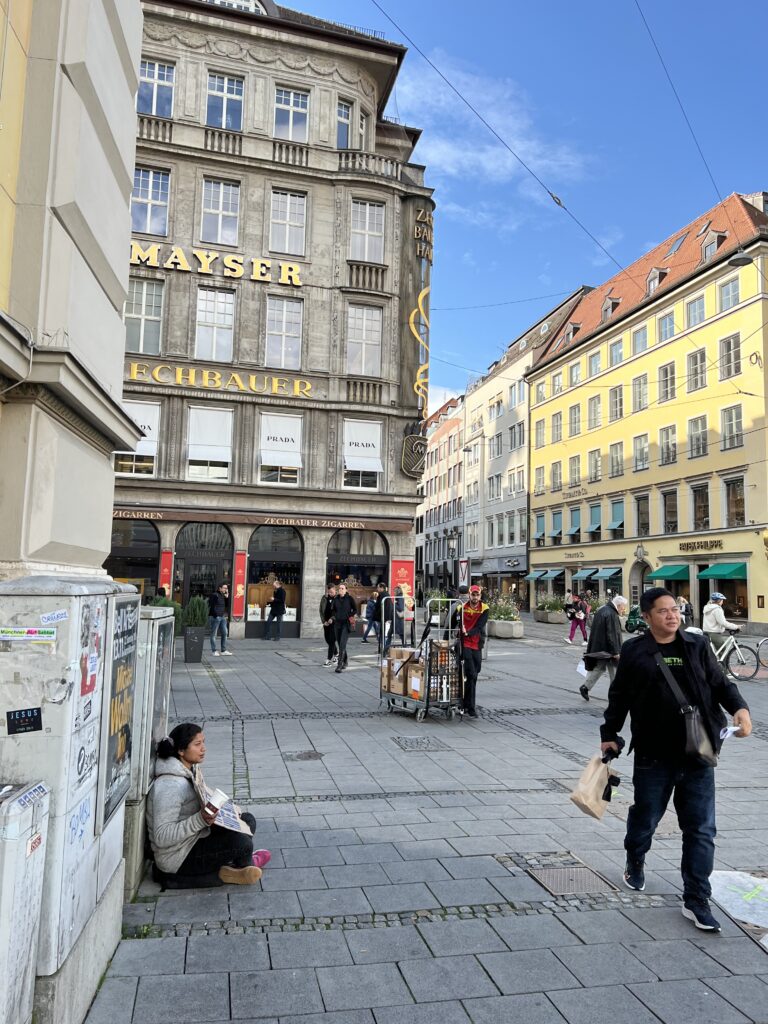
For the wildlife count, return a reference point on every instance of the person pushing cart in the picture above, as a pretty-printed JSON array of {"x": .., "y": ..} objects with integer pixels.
[{"x": 473, "y": 618}]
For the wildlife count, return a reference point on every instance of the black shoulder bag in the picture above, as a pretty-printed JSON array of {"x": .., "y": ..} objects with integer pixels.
[{"x": 698, "y": 745}]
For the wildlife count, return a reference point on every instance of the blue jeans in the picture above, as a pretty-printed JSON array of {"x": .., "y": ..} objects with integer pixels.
[
  {"x": 371, "y": 624},
  {"x": 218, "y": 623},
  {"x": 694, "y": 800},
  {"x": 268, "y": 630}
]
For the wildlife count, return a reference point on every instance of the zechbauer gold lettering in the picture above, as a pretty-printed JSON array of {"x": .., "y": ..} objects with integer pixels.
[
  {"x": 235, "y": 380},
  {"x": 150, "y": 256},
  {"x": 279, "y": 386},
  {"x": 211, "y": 379},
  {"x": 262, "y": 270},
  {"x": 255, "y": 386},
  {"x": 302, "y": 388},
  {"x": 138, "y": 371},
  {"x": 156, "y": 374},
  {"x": 289, "y": 274},
  {"x": 186, "y": 377}
]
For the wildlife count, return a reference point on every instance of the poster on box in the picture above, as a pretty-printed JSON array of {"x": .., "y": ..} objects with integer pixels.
[
  {"x": 117, "y": 741},
  {"x": 93, "y": 614},
  {"x": 84, "y": 760},
  {"x": 290, "y": 615},
  {"x": 163, "y": 665}
]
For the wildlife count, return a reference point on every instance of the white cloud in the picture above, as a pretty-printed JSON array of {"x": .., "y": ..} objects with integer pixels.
[
  {"x": 609, "y": 238},
  {"x": 438, "y": 394},
  {"x": 483, "y": 214}
]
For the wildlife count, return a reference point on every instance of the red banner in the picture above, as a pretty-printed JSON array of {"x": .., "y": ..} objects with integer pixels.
[
  {"x": 166, "y": 571},
  {"x": 238, "y": 590},
  {"x": 402, "y": 574}
]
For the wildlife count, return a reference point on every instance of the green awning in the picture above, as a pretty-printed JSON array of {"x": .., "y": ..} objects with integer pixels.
[
  {"x": 606, "y": 574},
  {"x": 535, "y": 574},
  {"x": 555, "y": 533},
  {"x": 573, "y": 531},
  {"x": 552, "y": 574},
  {"x": 725, "y": 571},
  {"x": 669, "y": 572},
  {"x": 583, "y": 574},
  {"x": 539, "y": 535},
  {"x": 615, "y": 524}
]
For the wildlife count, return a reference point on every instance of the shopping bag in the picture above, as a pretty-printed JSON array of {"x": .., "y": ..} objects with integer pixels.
[{"x": 593, "y": 790}]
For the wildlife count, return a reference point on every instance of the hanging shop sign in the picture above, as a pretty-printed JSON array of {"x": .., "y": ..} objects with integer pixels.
[
  {"x": 203, "y": 261},
  {"x": 238, "y": 593},
  {"x": 196, "y": 515},
  {"x": 701, "y": 545},
  {"x": 218, "y": 380},
  {"x": 423, "y": 234}
]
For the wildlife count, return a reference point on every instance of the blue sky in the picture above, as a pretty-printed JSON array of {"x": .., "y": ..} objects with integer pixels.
[{"x": 578, "y": 90}]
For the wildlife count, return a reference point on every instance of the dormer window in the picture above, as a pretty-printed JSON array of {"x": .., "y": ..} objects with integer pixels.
[
  {"x": 655, "y": 278},
  {"x": 710, "y": 244},
  {"x": 609, "y": 307},
  {"x": 570, "y": 331}
]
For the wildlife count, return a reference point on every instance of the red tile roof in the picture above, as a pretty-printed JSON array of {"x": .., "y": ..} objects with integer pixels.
[{"x": 735, "y": 218}]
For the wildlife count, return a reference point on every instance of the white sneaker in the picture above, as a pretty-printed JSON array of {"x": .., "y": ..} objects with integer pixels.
[
  {"x": 334, "y": 659},
  {"x": 566, "y": 640},
  {"x": 584, "y": 643},
  {"x": 227, "y": 654},
  {"x": 330, "y": 661},
  {"x": 215, "y": 654}
]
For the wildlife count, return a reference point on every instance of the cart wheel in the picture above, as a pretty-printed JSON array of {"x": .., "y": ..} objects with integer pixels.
[{"x": 420, "y": 715}]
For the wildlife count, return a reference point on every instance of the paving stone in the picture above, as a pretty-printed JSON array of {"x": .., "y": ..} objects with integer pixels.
[
  {"x": 531, "y": 1009},
  {"x": 424, "y": 849},
  {"x": 274, "y": 993},
  {"x": 192, "y": 907},
  {"x": 534, "y": 970},
  {"x": 332, "y": 903},
  {"x": 597, "y": 926},
  {"x": 354, "y": 875},
  {"x": 308, "y": 949},
  {"x": 341, "y": 1017},
  {"x": 436, "y": 830},
  {"x": 613, "y": 1003},
  {"x": 114, "y": 1002},
  {"x": 603, "y": 964},
  {"x": 672, "y": 959},
  {"x": 384, "y": 834},
  {"x": 673, "y": 1001},
  {"x": 748, "y": 994},
  {"x": 520, "y": 888},
  {"x": 465, "y": 892},
  {"x": 292, "y": 879},
  {"x": 740, "y": 956},
  {"x": 351, "y": 988},
  {"x": 669, "y": 923},
  {"x": 136, "y": 957},
  {"x": 382, "y": 945},
  {"x": 160, "y": 997},
  {"x": 423, "y": 1013},
  {"x": 446, "y": 977},
  {"x": 445, "y": 938},
  {"x": 537, "y": 931},
  {"x": 226, "y": 953},
  {"x": 270, "y": 905},
  {"x": 376, "y": 853},
  {"x": 474, "y": 867},
  {"x": 333, "y": 837},
  {"x": 416, "y": 871},
  {"x": 396, "y": 898},
  {"x": 313, "y": 856},
  {"x": 480, "y": 845}
]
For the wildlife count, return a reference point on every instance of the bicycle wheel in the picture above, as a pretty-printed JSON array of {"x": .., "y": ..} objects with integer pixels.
[
  {"x": 762, "y": 652},
  {"x": 742, "y": 662}
]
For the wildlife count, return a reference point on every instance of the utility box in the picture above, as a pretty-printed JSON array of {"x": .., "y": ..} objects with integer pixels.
[
  {"x": 150, "y": 724},
  {"x": 23, "y": 832}
]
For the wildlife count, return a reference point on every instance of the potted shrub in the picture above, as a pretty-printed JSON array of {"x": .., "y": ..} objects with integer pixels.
[
  {"x": 165, "y": 602},
  {"x": 195, "y": 620},
  {"x": 504, "y": 619},
  {"x": 554, "y": 609}
]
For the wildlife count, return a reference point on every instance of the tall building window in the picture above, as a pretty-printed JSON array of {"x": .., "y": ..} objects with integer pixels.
[
  {"x": 495, "y": 446},
  {"x": 640, "y": 393},
  {"x": 694, "y": 311},
  {"x": 557, "y": 527},
  {"x": 143, "y": 316},
  {"x": 593, "y": 364},
  {"x": 616, "y": 459},
  {"x": 731, "y": 427},
  {"x": 668, "y": 445},
  {"x": 574, "y": 531},
  {"x": 640, "y": 452},
  {"x": 700, "y": 498},
  {"x": 225, "y": 102},
  {"x": 616, "y": 403},
  {"x": 489, "y": 533},
  {"x": 574, "y": 420},
  {"x": 594, "y": 414},
  {"x": 364, "y": 340},
  {"x": 574, "y": 471},
  {"x": 729, "y": 294},
  {"x": 291, "y": 115},
  {"x": 666, "y": 326},
  {"x": 149, "y": 201},
  {"x": 639, "y": 340},
  {"x": 616, "y": 525},
  {"x": 363, "y": 464},
  {"x": 643, "y": 515},
  {"x": 557, "y": 382},
  {"x": 539, "y": 393},
  {"x": 730, "y": 356},
  {"x": 574, "y": 374},
  {"x": 522, "y": 527},
  {"x": 556, "y": 476},
  {"x": 538, "y": 480},
  {"x": 669, "y": 505},
  {"x": 221, "y": 212},
  {"x": 697, "y": 370},
  {"x": 557, "y": 427},
  {"x": 595, "y": 467},
  {"x": 510, "y": 528},
  {"x": 288, "y": 222},
  {"x": 155, "y": 95},
  {"x": 595, "y": 521},
  {"x": 538, "y": 535},
  {"x": 616, "y": 352},
  {"x": 343, "y": 124},
  {"x": 142, "y": 461},
  {"x": 215, "y": 324},
  {"x": 280, "y": 457},
  {"x": 209, "y": 443},
  {"x": 367, "y": 236},
  {"x": 284, "y": 329},
  {"x": 697, "y": 437},
  {"x": 734, "y": 502},
  {"x": 667, "y": 382},
  {"x": 538, "y": 433}
]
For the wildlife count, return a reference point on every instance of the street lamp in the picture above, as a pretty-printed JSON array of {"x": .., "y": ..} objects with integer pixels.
[{"x": 740, "y": 259}]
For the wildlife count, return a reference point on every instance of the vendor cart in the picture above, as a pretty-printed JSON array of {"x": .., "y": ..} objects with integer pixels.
[{"x": 429, "y": 675}]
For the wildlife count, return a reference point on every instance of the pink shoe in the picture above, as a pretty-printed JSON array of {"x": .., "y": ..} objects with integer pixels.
[{"x": 261, "y": 858}]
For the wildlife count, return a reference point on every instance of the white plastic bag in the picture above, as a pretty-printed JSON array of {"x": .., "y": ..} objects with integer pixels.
[{"x": 593, "y": 790}]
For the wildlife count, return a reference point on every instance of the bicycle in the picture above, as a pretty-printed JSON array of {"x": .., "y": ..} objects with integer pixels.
[
  {"x": 739, "y": 660},
  {"x": 763, "y": 658}
]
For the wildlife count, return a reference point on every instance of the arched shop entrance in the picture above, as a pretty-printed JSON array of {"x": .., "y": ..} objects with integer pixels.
[
  {"x": 203, "y": 560},
  {"x": 640, "y": 579},
  {"x": 135, "y": 554},
  {"x": 274, "y": 552},
  {"x": 359, "y": 558}
]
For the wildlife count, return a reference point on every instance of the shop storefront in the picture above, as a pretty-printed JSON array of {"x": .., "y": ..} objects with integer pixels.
[
  {"x": 359, "y": 558},
  {"x": 202, "y": 560},
  {"x": 135, "y": 555},
  {"x": 274, "y": 553}
]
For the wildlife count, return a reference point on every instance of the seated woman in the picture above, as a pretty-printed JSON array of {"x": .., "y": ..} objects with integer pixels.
[{"x": 189, "y": 848}]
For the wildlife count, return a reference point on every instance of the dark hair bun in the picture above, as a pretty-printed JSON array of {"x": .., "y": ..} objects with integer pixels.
[{"x": 166, "y": 749}]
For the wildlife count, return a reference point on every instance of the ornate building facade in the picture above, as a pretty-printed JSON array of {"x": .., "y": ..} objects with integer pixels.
[{"x": 277, "y": 318}]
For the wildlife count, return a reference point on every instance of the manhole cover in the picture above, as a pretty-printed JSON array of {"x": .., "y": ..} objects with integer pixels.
[
  {"x": 304, "y": 755},
  {"x": 419, "y": 743},
  {"x": 575, "y": 880}
]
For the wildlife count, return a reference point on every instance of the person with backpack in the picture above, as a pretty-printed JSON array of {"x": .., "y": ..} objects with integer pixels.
[{"x": 578, "y": 617}]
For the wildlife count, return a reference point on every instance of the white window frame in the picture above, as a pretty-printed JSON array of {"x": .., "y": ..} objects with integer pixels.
[
  {"x": 668, "y": 445},
  {"x": 346, "y": 122},
  {"x": 724, "y": 290},
  {"x": 368, "y": 338},
  {"x": 574, "y": 420},
  {"x": 145, "y": 285},
  {"x": 221, "y": 204},
  {"x": 730, "y": 356},
  {"x": 217, "y": 452},
  {"x": 574, "y": 374},
  {"x": 289, "y": 222},
  {"x": 350, "y": 475},
  {"x": 151, "y": 191},
  {"x": 291, "y": 100},
  {"x": 667, "y": 382},
  {"x": 366, "y": 243},
  {"x": 701, "y": 438},
  {"x": 616, "y": 408},
  {"x": 538, "y": 478},
  {"x": 641, "y": 459},
  {"x": 696, "y": 302},
  {"x": 225, "y": 86},
  {"x": 594, "y": 466},
  {"x": 613, "y": 348},
  {"x": 538, "y": 434},
  {"x": 215, "y": 309},
  {"x": 594, "y": 412},
  {"x": 556, "y": 476},
  {"x": 697, "y": 370},
  {"x": 158, "y": 79},
  {"x": 574, "y": 471},
  {"x": 556, "y": 428},
  {"x": 640, "y": 392},
  {"x": 662, "y": 323},
  {"x": 286, "y": 475},
  {"x": 280, "y": 311},
  {"x": 146, "y": 448},
  {"x": 616, "y": 459},
  {"x": 731, "y": 427},
  {"x": 639, "y": 335},
  {"x": 596, "y": 359}
]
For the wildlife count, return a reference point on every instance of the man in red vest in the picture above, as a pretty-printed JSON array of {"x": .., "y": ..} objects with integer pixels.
[{"x": 474, "y": 616}]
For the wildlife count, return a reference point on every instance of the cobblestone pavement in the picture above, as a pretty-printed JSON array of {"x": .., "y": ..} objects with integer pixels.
[{"x": 399, "y": 891}]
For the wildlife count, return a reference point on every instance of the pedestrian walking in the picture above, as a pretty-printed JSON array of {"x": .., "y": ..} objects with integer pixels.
[
  {"x": 472, "y": 618},
  {"x": 578, "y": 617},
  {"x": 396, "y": 621},
  {"x": 217, "y": 618},
  {"x": 370, "y": 618},
  {"x": 344, "y": 615},
  {"x": 604, "y": 644},
  {"x": 651, "y": 668},
  {"x": 378, "y": 613},
  {"x": 276, "y": 611},
  {"x": 714, "y": 622},
  {"x": 686, "y": 611},
  {"x": 326, "y": 617}
]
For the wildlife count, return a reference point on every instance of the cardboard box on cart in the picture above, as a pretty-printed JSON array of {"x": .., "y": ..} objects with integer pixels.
[
  {"x": 398, "y": 672},
  {"x": 415, "y": 680},
  {"x": 385, "y": 669}
]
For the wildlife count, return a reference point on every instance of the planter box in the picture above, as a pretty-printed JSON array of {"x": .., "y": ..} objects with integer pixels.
[
  {"x": 491, "y": 629},
  {"x": 194, "y": 638},
  {"x": 556, "y": 617},
  {"x": 540, "y": 616},
  {"x": 506, "y": 629}
]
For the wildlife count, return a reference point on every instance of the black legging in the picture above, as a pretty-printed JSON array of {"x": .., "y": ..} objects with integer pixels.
[
  {"x": 342, "y": 634},
  {"x": 329, "y": 633},
  {"x": 222, "y": 846}
]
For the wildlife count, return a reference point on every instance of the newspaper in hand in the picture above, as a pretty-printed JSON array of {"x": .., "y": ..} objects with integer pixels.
[{"x": 228, "y": 813}]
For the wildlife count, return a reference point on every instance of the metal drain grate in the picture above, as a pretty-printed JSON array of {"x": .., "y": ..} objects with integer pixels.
[
  {"x": 304, "y": 755},
  {"x": 418, "y": 744},
  {"x": 575, "y": 880}
]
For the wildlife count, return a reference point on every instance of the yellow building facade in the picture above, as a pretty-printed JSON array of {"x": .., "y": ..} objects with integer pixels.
[{"x": 648, "y": 447}]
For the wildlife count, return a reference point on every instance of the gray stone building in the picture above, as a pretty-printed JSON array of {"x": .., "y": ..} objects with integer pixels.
[{"x": 277, "y": 317}]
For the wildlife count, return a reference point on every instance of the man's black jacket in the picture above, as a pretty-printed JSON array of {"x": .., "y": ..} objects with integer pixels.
[
  {"x": 605, "y": 634},
  {"x": 638, "y": 674},
  {"x": 217, "y": 604}
]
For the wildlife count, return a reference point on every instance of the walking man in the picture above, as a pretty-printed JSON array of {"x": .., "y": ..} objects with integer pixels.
[
  {"x": 344, "y": 614},
  {"x": 276, "y": 611},
  {"x": 370, "y": 618},
  {"x": 326, "y": 617},
  {"x": 217, "y": 611},
  {"x": 474, "y": 616},
  {"x": 662, "y": 767},
  {"x": 604, "y": 643},
  {"x": 384, "y": 628}
]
